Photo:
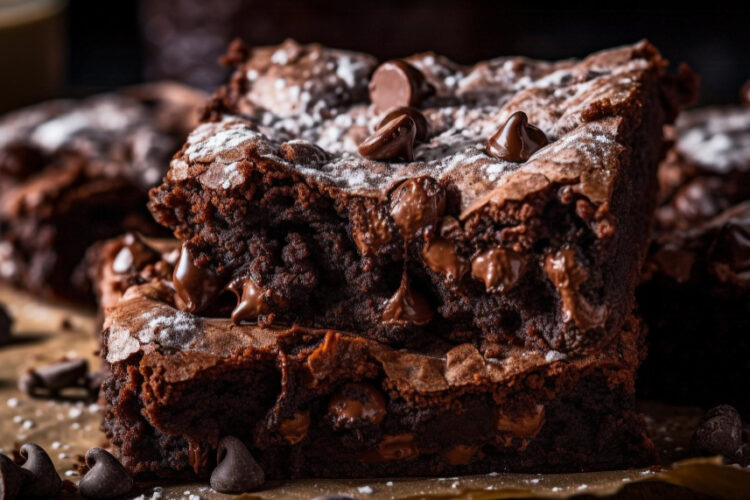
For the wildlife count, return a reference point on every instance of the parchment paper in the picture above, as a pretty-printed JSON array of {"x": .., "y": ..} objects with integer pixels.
[{"x": 67, "y": 428}]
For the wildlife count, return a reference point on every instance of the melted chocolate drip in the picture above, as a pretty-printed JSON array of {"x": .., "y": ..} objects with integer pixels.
[
  {"x": 406, "y": 306},
  {"x": 499, "y": 268},
  {"x": 251, "y": 299},
  {"x": 196, "y": 287},
  {"x": 440, "y": 256}
]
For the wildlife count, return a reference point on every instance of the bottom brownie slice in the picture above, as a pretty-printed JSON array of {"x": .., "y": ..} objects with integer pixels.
[{"x": 324, "y": 403}]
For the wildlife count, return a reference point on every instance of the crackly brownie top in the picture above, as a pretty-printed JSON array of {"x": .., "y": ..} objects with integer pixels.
[
  {"x": 131, "y": 134},
  {"x": 715, "y": 139},
  {"x": 283, "y": 98}
]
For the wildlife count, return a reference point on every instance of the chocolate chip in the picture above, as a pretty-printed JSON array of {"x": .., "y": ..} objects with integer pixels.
[
  {"x": 236, "y": 470},
  {"x": 419, "y": 120},
  {"x": 106, "y": 477},
  {"x": 398, "y": 83},
  {"x": 303, "y": 153},
  {"x": 12, "y": 478},
  {"x": 516, "y": 140},
  {"x": 43, "y": 479},
  {"x": 6, "y": 324},
  {"x": 356, "y": 404},
  {"x": 250, "y": 299},
  {"x": 196, "y": 287},
  {"x": 394, "y": 141},
  {"x": 719, "y": 432},
  {"x": 499, "y": 268}
]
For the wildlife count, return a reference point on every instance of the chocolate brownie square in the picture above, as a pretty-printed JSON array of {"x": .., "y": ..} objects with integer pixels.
[
  {"x": 695, "y": 297},
  {"x": 74, "y": 172},
  {"x": 504, "y": 204}
]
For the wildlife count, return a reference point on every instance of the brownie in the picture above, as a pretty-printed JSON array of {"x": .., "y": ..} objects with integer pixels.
[
  {"x": 325, "y": 403},
  {"x": 74, "y": 172},
  {"x": 695, "y": 297},
  {"x": 708, "y": 168},
  {"x": 504, "y": 204}
]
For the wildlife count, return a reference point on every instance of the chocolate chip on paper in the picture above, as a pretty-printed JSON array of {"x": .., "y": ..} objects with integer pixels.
[
  {"x": 12, "y": 478},
  {"x": 44, "y": 482},
  {"x": 106, "y": 477},
  {"x": 236, "y": 470}
]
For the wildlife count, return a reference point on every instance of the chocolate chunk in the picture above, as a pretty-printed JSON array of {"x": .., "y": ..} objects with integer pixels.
[
  {"x": 719, "y": 432},
  {"x": 294, "y": 429},
  {"x": 6, "y": 324},
  {"x": 516, "y": 140},
  {"x": 406, "y": 306},
  {"x": 12, "y": 478},
  {"x": 195, "y": 286},
  {"x": 303, "y": 153},
  {"x": 106, "y": 477},
  {"x": 251, "y": 299},
  {"x": 419, "y": 120},
  {"x": 236, "y": 470},
  {"x": 391, "y": 448},
  {"x": 416, "y": 203},
  {"x": 398, "y": 83},
  {"x": 43, "y": 479},
  {"x": 394, "y": 141},
  {"x": 56, "y": 376},
  {"x": 499, "y": 268},
  {"x": 440, "y": 256},
  {"x": 355, "y": 405}
]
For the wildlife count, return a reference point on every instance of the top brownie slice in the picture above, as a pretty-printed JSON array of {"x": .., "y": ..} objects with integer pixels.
[{"x": 512, "y": 207}]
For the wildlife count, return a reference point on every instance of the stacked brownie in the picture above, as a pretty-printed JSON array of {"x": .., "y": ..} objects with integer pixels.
[
  {"x": 696, "y": 294},
  {"x": 408, "y": 268},
  {"x": 74, "y": 172}
]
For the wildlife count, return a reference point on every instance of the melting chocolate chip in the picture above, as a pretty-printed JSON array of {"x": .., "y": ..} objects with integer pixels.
[
  {"x": 516, "y": 140},
  {"x": 106, "y": 477},
  {"x": 6, "y": 324},
  {"x": 460, "y": 454},
  {"x": 12, "y": 478},
  {"x": 195, "y": 286},
  {"x": 406, "y": 306},
  {"x": 251, "y": 299},
  {"x": 294, "y": 429},
  {"x": 567, "y": 275},
  {"x": 55, "y": 377},
  {"x": 394, "y": 141},
  {"x": 440, "y": 256},
  {"x": 499, "y": 268},
  {"x": 370, "y": 230},
  {"x": 236, "y": 470},
  {"x": 416, "y": 203},
  {"x": 356, "y": 404},
  {"x": 43, "y": 480},
  {"x": 304, "y": 153},
  {"x": 719, "y": 432},
  {"x": 398, "y": 83},
  {"x": 419, "y": 120}
]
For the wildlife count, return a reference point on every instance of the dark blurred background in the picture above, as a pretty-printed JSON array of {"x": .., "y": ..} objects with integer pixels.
[{"x": 117, "y": 42}]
